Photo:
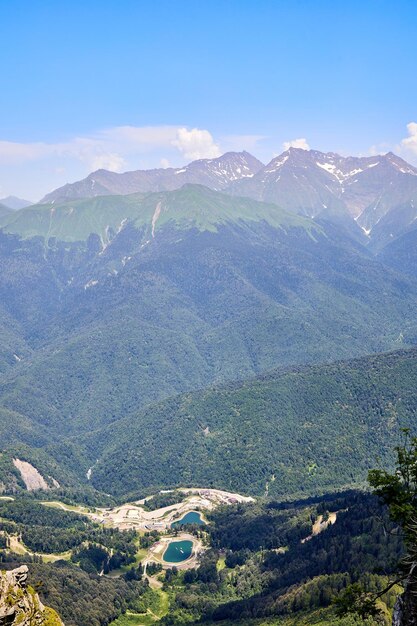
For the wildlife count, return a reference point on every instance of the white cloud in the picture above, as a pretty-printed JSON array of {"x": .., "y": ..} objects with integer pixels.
[
  {"x": 237, "y": 143},
  {"x": 296, "y": 143},
  {"x": 138, "y": 137},
  {"x": 165, "y": 163},
  {"x": 377, "y": 149},
  {"x": 410, "y": 142},
  {"x": 18, "y": 152},
  {"x": 111, "y": 148},
  {"x": 113, "y": 162},
  {"x": 196, "y": 144},
  {"x": 94, "y": 153}
]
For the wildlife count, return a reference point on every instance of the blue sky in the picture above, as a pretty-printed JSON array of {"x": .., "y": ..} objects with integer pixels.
[{"x": 127, "y": 84}]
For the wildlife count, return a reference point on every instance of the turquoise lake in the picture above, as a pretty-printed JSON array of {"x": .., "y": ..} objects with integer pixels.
[
  {"x": 190, "y": 518},
  {"x": 178, "y": 551}
]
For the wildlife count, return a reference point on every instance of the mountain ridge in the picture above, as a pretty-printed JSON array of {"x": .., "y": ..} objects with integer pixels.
[
  {"x": 189, "y": 206},
  {"x": 215, "y": 173}
]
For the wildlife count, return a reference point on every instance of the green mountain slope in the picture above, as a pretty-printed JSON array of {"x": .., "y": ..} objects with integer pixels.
[
  {"x": 72, "y": 221},
  {"x": 116, "y": 329},
  {"x": 401, "y": 254},
  {"x": 193, "y": 206},
  {"x": 13, "y": 345},
  {"x": 4, "y": 211}
]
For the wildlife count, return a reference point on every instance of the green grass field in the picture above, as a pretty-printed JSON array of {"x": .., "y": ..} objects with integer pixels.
[{"x": 134, "y": 619}]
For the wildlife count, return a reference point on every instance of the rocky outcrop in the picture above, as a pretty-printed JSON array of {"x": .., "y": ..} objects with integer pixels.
[
  {"x": 20, "y": 604},
  {"x": 405, "y": 610}
]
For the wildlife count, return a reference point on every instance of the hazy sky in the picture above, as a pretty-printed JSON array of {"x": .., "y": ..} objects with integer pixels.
[{"x": 130, "y": 84}]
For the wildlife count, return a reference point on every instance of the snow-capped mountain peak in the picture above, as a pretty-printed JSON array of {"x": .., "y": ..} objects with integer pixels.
[
  {"x": 401, "y": 165},
  {"x": 342, "y": 173},
  {"x": 357, "y": 189}
]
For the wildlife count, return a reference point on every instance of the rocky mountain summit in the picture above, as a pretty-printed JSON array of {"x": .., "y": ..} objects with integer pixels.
[
  {"x": 20, "y": 604},
  {"x": 379, "y": 193}
]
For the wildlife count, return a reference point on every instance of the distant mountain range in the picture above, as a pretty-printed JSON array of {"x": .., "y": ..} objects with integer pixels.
[
  {"x": 14, "y": 203},
  {"x": 214, "y": 173},
  {"x": 376, "y": 196}
]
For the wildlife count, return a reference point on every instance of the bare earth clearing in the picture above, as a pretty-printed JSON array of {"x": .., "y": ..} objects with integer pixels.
[
  {"x": 320, "y": 525},
  {"x": 134, "y": 516},
  {"x": 17, "y": 546},
  {"x": 30, "y": 475}
]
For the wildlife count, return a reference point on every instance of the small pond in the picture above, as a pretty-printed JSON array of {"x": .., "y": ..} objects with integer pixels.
[
  {"x": 189, "y": 518},
  {"x": 178, "y": 551}
]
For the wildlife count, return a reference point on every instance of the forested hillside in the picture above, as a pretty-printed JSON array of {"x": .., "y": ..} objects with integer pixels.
[{"x": 295, "y": 431}]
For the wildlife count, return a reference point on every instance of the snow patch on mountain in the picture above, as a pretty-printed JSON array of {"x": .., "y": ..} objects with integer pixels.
[
  {"x": 339, "y": 174},
  {"x": 276, "y": 164}
]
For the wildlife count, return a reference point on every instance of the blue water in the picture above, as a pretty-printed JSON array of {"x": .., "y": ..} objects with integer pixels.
[
  {"x": 189, "y": 518},
  {"x": 178, "y": 551}
]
